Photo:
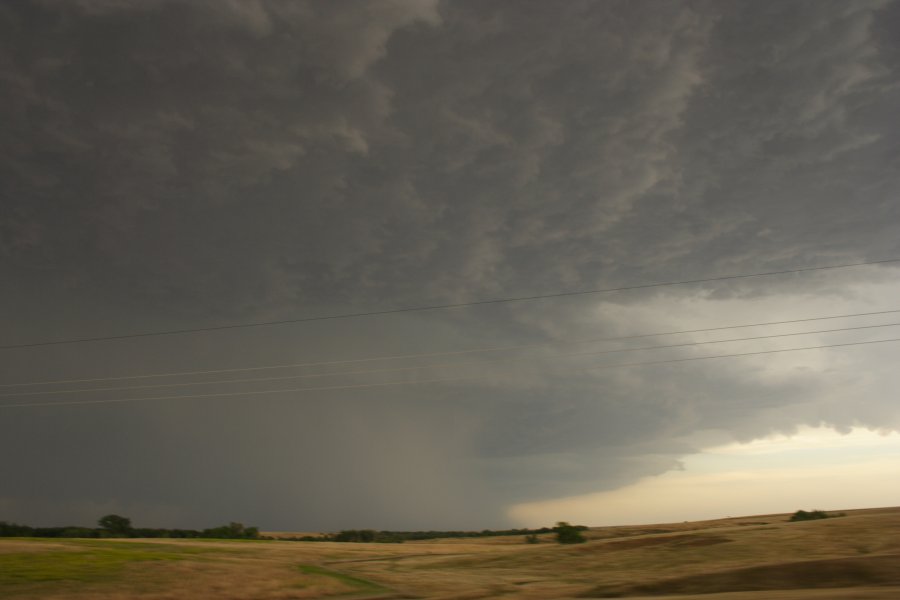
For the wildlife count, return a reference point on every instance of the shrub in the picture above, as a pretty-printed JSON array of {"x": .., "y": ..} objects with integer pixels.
[
  {"x": 802, "y": 515},
  {"x": 232, "y": 531},
  {"x": 569, "y": 534},
  {"x": 115, "y": 525}
]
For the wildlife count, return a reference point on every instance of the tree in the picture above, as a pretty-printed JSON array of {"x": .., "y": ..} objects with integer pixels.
[
  {"x": 569, "y": 534},
  {"x": 356, "y": 535},
  {"x": 233, "y": 530},
  {"x": 115, "y": 524},
  {"x": 802, "y": 515}
]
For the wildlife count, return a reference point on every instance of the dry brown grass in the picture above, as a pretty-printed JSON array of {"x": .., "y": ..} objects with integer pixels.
[{"x": 749, "y": 558}]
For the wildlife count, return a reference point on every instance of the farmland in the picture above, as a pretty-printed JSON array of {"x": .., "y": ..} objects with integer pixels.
[{"x": 856, "y": 556}]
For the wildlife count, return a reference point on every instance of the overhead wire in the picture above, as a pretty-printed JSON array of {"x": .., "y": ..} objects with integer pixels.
[
  {"x": 437, "y": 365},
  {"x": 531, "y": 345},
  {"x": 440, "y": 306},
  {"x": 427, "y": 381}
]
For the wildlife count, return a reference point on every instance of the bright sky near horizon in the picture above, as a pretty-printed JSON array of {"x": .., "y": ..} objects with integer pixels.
[{"x": 815, "y": 468}]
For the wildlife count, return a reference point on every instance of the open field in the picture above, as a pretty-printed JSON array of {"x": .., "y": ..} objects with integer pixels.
[{"x": 856, "y": 557}]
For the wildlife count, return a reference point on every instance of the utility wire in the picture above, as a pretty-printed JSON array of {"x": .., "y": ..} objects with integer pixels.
[
  {"x": 439, "y": 306},
  {"x": 437, "y": 354},
  {"x": 434, "y": 365},
  {"x": 428, "y": 381}
]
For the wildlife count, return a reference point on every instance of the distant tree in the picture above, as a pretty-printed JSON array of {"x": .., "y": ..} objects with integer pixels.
[
  {"x": 115, "y": 524},
  {"x": 531, "y": 538},
  {"x": 802, "y": 515},
  {"x": 78, "y": 532},
  {"x": 569, "y": 534},
  {"x": 234, "y": 531},
  {"x": 12, "y": 529},
  {"x": 357, "y": 535}
]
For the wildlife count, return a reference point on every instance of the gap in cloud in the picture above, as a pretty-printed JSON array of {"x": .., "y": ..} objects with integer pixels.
[{"x": 814, "y": 468}]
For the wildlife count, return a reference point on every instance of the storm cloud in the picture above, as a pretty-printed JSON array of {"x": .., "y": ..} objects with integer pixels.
[{"x": 172, "y": 165}]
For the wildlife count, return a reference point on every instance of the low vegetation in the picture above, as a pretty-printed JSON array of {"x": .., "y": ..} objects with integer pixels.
[
  {"x": 366, "y": 536},
  {"x": 85, "y": 561},
  {"x": 116, "y": 526},
  {"x": 802, "y": 515},
  {"x": 756, "y": 558},
  {"x": 361, "y": 585},
  {"x": 569, "y": 534}
]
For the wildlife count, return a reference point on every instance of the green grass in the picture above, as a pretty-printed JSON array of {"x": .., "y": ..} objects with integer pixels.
[
  {"x": 89, "y": 566},
  {"x": 360, "y": 585},
  {"x": 36, "y": 567},
  {"x": 89, "y": 560}
]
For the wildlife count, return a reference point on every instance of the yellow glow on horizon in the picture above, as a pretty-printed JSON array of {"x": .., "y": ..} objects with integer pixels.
[{"x": 815, "y": 468}]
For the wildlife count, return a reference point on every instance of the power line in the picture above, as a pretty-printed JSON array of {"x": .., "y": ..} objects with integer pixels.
[
  {"x": 428, "y": 381},
  {"x": 447, "y": 353},
  {"x": 759, "y": 352},
  {"x": 438, "y": 306},
  {"x": 434, "y": 366}
]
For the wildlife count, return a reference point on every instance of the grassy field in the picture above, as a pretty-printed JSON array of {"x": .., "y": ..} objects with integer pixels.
[{"x": 855, "y": 557}]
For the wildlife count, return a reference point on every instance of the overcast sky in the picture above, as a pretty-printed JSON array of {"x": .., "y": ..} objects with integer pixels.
[{"x": 169, "y": 165}]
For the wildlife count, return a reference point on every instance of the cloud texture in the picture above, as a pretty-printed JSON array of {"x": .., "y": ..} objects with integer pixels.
[{"x": 170, "y": 165}]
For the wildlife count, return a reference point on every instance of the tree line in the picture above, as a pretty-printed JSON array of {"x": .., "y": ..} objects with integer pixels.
[
  {"x": 116, "y": 526},
  {"x": 566, "y": 534},
  {"x": 384, "y": 536}
]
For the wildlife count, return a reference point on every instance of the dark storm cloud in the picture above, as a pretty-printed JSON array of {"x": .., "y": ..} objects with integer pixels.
[
  {"x": 149, "y": 123},
  {"x": 168, "y": 164}
]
